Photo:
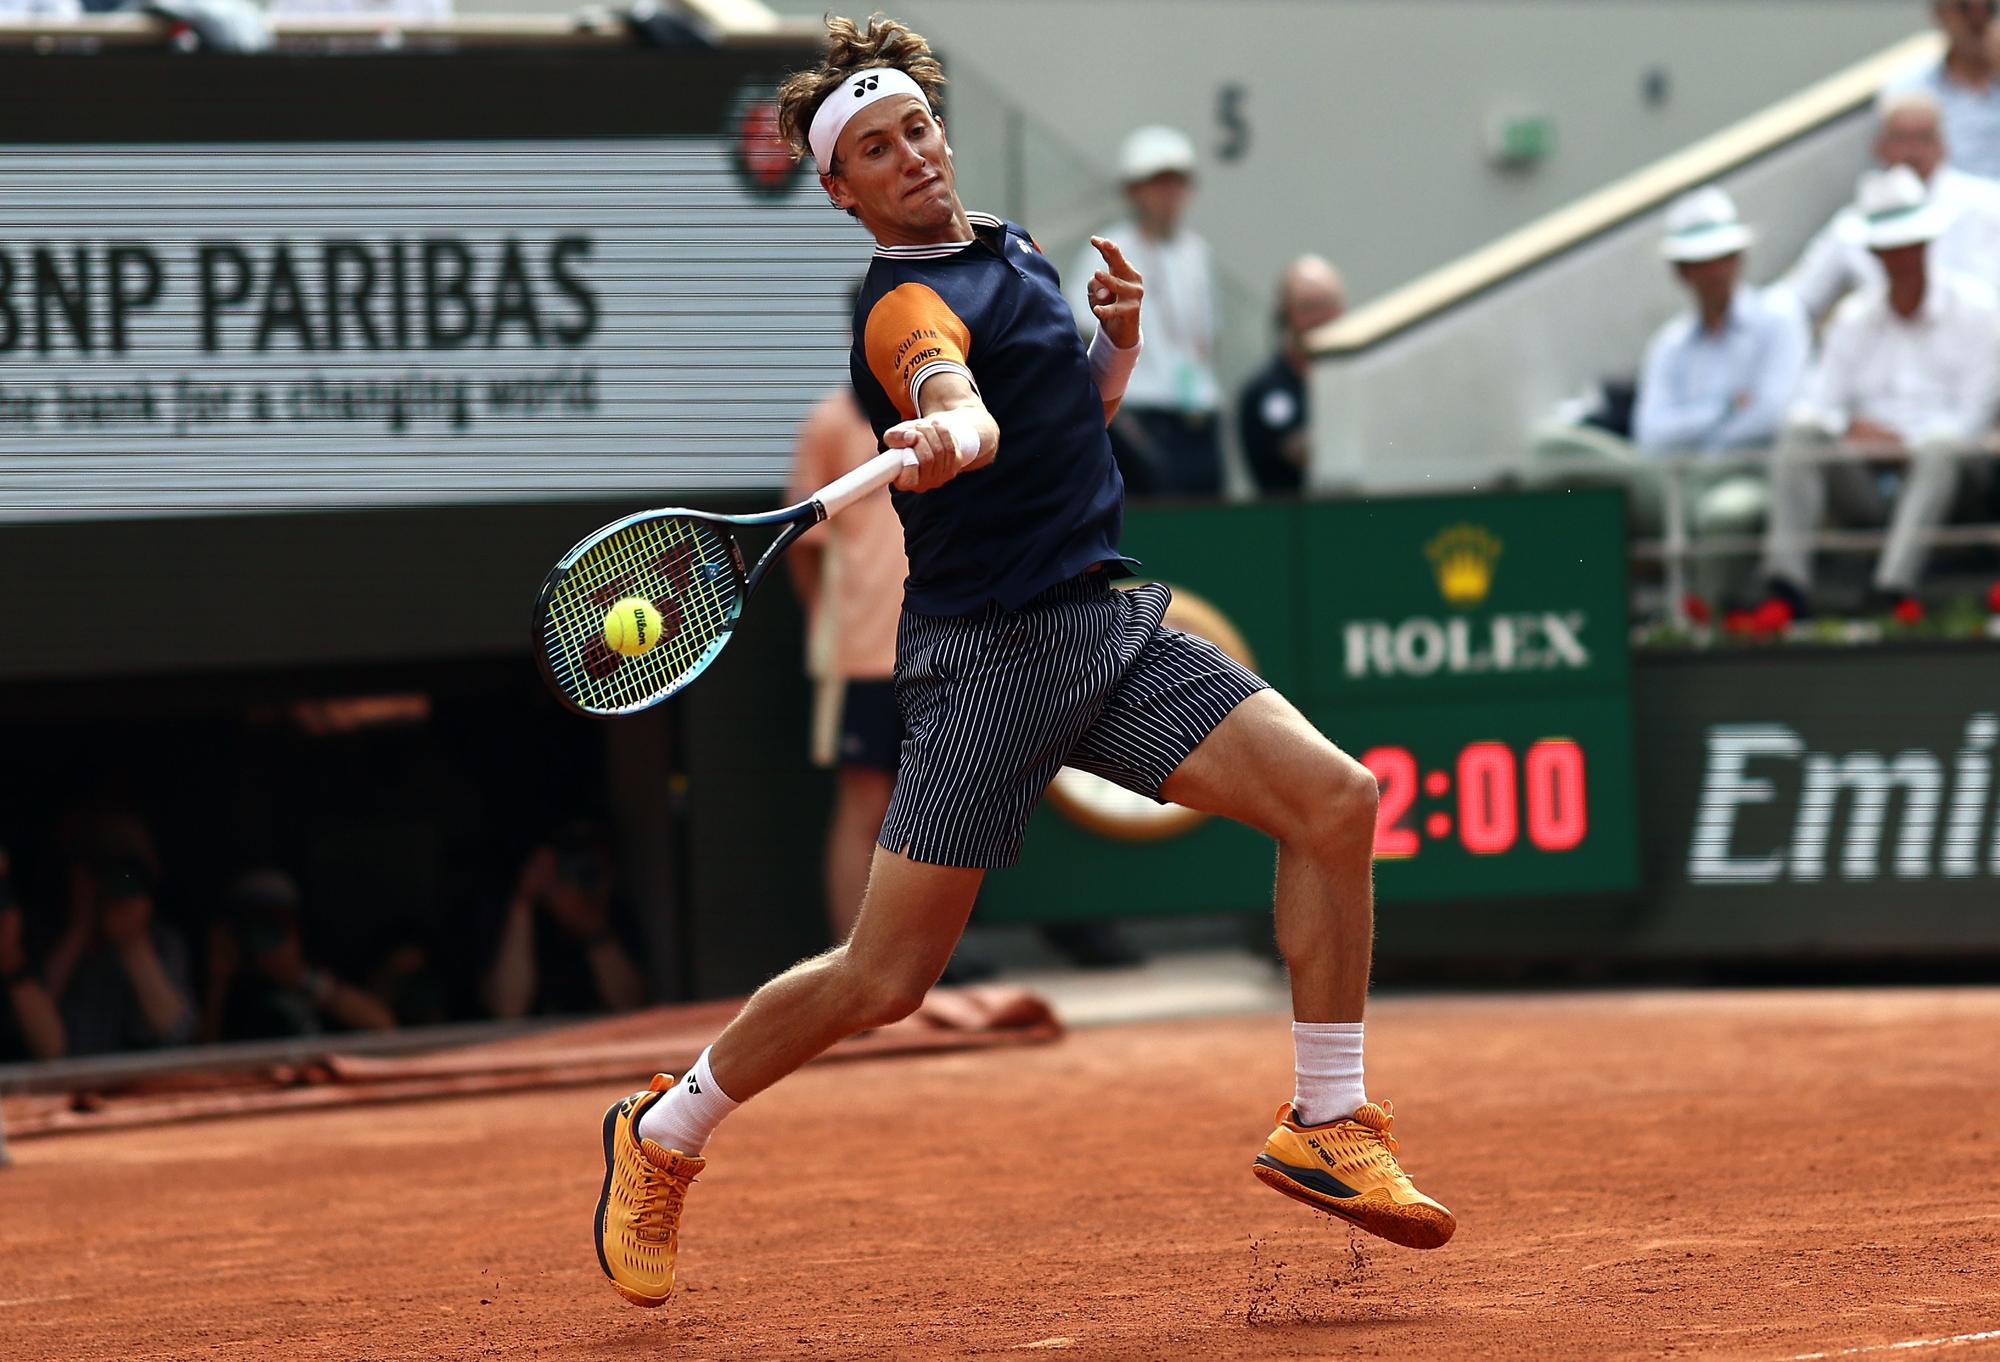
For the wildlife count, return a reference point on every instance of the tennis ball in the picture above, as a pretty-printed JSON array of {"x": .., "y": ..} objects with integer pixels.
[{"x": 632, "y": 626}]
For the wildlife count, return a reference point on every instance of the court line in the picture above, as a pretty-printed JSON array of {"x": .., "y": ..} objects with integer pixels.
[{"x": 1906, "y": 1346}]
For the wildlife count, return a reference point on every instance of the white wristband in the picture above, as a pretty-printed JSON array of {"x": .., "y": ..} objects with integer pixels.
[
  {"x": 1110, "y": 366},
  {"x": 964, "y": 428}
]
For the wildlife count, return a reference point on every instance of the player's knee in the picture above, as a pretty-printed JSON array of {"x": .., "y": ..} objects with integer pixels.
[
  {"x": 887, "y": 993},
  {"x": 1344, "y": 798},
  {"x": 891, "y": 1000}
]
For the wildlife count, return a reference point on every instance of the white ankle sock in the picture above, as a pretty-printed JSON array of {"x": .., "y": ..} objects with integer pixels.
[
  {"x": 689, "y": 1113},
  {"x": 1329, "y": 1066}
]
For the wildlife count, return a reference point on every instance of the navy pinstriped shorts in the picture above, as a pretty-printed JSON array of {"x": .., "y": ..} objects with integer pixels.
[{"x": 996, "y": 700}]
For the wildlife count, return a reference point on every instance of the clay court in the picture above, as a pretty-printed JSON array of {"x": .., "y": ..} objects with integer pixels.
[{"x": 1756, "y": 1175}]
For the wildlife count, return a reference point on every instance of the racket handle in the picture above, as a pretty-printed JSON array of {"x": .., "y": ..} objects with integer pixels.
[{"x": 850, "y": 487}]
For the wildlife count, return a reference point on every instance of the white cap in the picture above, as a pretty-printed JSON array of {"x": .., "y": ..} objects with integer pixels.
[
  {"x": 1154, "y": 151},
  {"x": 1702, "y": 225},
  {"x": 1897, "y": 210}
]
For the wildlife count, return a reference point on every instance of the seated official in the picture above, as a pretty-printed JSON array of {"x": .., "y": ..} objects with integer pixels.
[
  {"x": 1273, "y": 417},
  {"x": 1909, "y": 374}
]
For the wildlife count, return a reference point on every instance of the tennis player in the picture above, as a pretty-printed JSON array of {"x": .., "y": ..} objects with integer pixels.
[{"x": 1015, "y": 656}]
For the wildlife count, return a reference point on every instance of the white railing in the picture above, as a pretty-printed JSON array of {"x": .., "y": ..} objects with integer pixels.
[{"x": 1677, "y": 547}]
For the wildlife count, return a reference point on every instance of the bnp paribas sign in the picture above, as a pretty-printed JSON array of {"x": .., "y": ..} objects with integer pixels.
[{"x": 1502, "y": 594}]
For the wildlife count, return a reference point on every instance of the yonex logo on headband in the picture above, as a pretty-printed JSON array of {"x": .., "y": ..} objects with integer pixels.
[{"x": 880, "y": 82}]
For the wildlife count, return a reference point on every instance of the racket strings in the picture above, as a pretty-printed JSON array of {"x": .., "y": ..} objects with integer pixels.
[{"x": 684, "y": 567}]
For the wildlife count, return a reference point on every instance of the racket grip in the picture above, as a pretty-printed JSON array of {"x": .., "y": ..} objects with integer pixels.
[{"x": 851, "y": 486}]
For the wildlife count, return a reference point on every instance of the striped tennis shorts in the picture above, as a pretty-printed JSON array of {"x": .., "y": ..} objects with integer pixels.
[{"x": 996, "y": 700}]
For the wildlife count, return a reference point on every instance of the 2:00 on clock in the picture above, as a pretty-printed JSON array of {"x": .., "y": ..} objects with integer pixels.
[{"x": 1485, "y": 797}]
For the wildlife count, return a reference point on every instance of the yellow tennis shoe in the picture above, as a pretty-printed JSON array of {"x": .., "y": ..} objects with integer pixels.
[
  {"x": 639, "y": 1212},
  {"x": 1348, "y": 1168}
]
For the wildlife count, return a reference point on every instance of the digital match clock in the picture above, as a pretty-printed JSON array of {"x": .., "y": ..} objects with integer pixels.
[
  {"x": 1510, "y": 796},
  {"x": 1496, "y": 796}
]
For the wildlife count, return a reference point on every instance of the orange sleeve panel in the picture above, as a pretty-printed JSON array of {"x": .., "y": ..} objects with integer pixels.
[{"x": 911, "y": 334}]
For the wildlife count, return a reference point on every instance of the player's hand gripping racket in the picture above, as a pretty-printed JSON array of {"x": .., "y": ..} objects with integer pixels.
[{"x": 689, "y": 566}]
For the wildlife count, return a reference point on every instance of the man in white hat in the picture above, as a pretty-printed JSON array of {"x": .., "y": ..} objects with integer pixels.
[
  {"x": 1908, "y": 379},
  {"x": 1167, "y": 438},
  {"x": 1719, "y": 377},
  {"x": 1909, "y": 133}
]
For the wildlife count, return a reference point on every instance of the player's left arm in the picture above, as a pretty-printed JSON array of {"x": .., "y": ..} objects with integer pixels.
[{"x": 1115, "y": 293}]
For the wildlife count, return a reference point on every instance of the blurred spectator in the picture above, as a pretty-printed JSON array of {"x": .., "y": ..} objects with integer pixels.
[
  {"x": 120, "y": 975},
  {"x": 385, "y": 13},
  {"x": 1837, "y": 260},
  {"x": 1964, "y": 85},
  {"x": 562, "y": 950},
  {"x": 30, "y": 1026},
  {"x": 1720, "y": 376},
  {"x": 1910, "y": 374},
  {"x": 263, "y": 985},
  {"x": 849, "y": 573},
  {"x": 40, "y": 11},
  {"x": 1272, "y": 414},
  {"x": 407, "y": 981},
  {"x": 1166, "y": 436}
]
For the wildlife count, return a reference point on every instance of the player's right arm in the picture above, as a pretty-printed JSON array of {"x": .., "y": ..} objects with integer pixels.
[{"x": 916, "y": 348}]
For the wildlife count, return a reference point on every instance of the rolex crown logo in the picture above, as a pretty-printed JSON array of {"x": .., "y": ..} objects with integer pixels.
[{"x": 1463, "y": 556}]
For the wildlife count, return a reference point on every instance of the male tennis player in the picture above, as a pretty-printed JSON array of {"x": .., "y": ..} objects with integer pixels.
[{"x": 1015, "y": 656}]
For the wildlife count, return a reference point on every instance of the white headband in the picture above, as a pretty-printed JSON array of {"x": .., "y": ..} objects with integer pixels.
[{"x": 854, "y": 94}]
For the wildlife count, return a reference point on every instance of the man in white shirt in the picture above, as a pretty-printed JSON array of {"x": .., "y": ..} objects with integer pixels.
[
  {"x": 1166, "y": 436},
  {"x": 1966, "y": 85},
  {"x": 1909, "y": 133},
  {"x": 1910, "y": 375}
]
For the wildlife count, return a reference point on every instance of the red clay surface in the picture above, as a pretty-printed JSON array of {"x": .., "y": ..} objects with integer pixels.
[{"x": 1730, "y": 1175}]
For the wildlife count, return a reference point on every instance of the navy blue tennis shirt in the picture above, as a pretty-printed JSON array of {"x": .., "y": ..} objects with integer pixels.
[{"x": 1052, "y": 502}]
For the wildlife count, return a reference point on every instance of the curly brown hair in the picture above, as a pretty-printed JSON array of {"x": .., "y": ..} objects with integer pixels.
[{"x": 850, "y": 48}]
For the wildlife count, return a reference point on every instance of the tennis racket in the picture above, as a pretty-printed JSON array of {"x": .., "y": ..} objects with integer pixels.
[{"x": 689, "y": 565}]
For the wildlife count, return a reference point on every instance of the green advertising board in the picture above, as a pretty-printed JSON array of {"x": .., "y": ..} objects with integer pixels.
[
  {"x": 1472, "y": 652},
  {"x": 1471, "y": 649}
]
